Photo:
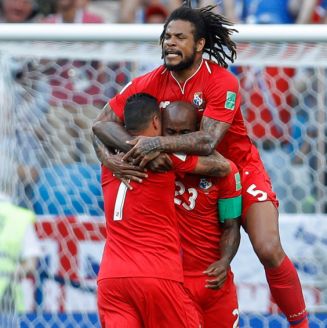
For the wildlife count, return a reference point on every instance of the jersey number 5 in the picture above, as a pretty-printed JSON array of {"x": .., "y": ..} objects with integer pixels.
[{"x": 261, "y": 195}]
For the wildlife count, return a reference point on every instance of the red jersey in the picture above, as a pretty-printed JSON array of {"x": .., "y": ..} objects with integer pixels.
[
  {"x": 201, "y": 202},
  {"x": 142, "y": 232},
  {"x": 212, "y": 89}
]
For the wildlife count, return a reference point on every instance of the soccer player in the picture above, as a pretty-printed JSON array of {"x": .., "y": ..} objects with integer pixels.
[
  {"x": 208, "y": 246},
  {"x": 140, "y": 277},
  {"x": 188, "y": 34}
]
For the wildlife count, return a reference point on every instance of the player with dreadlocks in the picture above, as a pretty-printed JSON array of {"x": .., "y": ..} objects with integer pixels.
[{"x": 187, "y": 76}]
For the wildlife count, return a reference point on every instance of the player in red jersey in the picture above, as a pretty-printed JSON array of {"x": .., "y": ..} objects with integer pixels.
[
  {"x": 208, "y": 245},
  {"x": 188, "y": 34},
  {"x": 140, "y": 277}
]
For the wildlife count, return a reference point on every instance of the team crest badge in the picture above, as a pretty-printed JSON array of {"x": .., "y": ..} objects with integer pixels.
[
  {"x": 198, "y": 100},
  {"x": 205, "y": 184}
]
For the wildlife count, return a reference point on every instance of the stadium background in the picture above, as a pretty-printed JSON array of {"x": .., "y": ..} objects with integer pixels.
[{"x": 51, "y": 90}]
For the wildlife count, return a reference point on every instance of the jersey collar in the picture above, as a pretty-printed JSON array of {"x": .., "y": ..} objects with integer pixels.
[{"x": 182, "y": 87}]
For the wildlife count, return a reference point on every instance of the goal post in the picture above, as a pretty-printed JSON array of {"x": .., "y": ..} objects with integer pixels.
[
  {"x": 151, "y": 32},
  {"x": 55, "y": 79}
]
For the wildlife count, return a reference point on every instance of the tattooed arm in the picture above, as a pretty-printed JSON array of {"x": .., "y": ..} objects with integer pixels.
[
  {"x": 108, "y": 133},
  {"x": 109, "y": 129},
  {"x": 216, "y": 130},
  {"x": 202, "y": 142},
  {"x": 212, "y": 165},
  {"x": 124, "y": 171}
]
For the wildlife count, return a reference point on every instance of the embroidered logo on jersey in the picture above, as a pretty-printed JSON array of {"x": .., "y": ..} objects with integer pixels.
[
  {"x": 238, "y": 185},
  {"x": 205, "y": 184},
  {"x": 230, "y": 100},
  {"x": 198, "y": 101}
]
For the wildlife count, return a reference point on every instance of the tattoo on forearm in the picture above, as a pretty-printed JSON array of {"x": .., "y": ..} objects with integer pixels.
[
  {"x": 152, "y": 144},
  {"x": 109, "y": 115},
  {"x": 101, "y": 150},
  {"x": 216, "y": 130},
  {"x": 192, "y": 143}
]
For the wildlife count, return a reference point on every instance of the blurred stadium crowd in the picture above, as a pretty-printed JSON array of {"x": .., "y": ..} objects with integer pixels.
[
  {"x": 60, "y": 98},
  {"x": 155, "y": 11}
]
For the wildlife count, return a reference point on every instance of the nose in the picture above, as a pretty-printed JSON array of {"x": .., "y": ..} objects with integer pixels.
[{"x": 171, "y": 42}]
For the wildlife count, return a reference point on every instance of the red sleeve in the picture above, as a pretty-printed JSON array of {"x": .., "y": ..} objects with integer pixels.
[
  {"x": 184, "y": 163},
  {"x": 148, "y": 83},
  {"x": 117, "y": 103},
  {"x": 230, "y": 186},
  {"x": 223, "y": 97}
]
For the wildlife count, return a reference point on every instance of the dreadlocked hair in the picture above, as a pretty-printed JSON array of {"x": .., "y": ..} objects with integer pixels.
[{"x": 214, "y": 28}]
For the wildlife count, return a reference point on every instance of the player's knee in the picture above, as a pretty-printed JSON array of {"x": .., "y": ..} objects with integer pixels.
[{"x": 270, "y": 253}]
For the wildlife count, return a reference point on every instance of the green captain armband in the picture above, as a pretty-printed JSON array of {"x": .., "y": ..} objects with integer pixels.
[{"x": 229, "y": 208}]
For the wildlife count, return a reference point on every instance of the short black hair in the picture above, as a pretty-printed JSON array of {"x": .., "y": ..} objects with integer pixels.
[
  {"x": 214, "y": 28},
  {"x": 139, "y": 110}
]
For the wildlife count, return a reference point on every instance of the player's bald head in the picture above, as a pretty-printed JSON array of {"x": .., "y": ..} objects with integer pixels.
[{"x": 179, "y": 118}]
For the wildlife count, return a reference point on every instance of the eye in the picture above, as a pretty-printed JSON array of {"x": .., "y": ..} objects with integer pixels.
[
  {"x": 185, "y": 131},
  {"x": 170, "y": 132}
]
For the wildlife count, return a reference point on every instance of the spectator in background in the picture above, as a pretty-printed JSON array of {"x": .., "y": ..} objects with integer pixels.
[
  {"x": 20, "y": 250},
  {"x": 229, "y": 8},
  {"x": 321, "y": 12},
  {"x": 19, "y": 11},
  {"x": 306, "y": 11},
  {"x": 277, "y": 11},
  {"x": 155, "y": 14},
  {"x": 133, "y": 11},
  {"x": 73, "y": 11}
]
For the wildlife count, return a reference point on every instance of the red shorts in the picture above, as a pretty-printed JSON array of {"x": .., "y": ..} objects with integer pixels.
[
  {"x": 256, "y": 184},
  {"x": 219, "y": 308},
  {"x": 145, "y": 302}
]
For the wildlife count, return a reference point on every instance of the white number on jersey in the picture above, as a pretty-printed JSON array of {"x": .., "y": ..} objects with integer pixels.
[
  {"x": 180, "y": 190},
  {"x": 120, "y": 200},
  {"x": 262, "y": 196},
  {"x": 236, "y": 314}
]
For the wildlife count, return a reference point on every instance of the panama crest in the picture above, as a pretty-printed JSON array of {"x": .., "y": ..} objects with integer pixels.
[
  {"x": 198, "y": 101},
  {"x": 205, "y": 184}
]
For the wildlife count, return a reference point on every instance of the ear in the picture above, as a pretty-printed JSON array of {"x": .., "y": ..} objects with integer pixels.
[
  {"x": 200, "y": 44},
  {"x": 156, "y": 121}
]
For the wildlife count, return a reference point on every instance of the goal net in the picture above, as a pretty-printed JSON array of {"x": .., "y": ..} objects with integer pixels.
[{"x": 52, "y": 89}]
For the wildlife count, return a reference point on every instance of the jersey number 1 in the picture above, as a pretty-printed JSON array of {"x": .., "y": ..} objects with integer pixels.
[{"x": 120, "y": 200}]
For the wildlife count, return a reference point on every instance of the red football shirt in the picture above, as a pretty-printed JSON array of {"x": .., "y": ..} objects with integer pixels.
[
  {"x": 212, "y": 89},
  {"x": 197, "y": 202},
  {"x": 142, "y": 232}
]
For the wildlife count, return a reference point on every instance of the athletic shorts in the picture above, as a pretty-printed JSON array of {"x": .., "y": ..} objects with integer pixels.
[
  {"x": 218, "y": 308},
  {"x": 145, "y": 303},
  {"x": 256, "y": 184}
]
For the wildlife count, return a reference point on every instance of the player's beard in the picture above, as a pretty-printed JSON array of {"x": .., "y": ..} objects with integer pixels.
[{"x": 187, "y": 62}]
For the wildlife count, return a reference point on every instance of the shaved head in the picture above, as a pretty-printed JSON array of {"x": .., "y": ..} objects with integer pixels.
[{"x": 179, "y": 118}]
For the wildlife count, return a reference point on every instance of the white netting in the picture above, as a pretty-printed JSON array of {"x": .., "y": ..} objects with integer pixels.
[{"x": 49, "y": 94}]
